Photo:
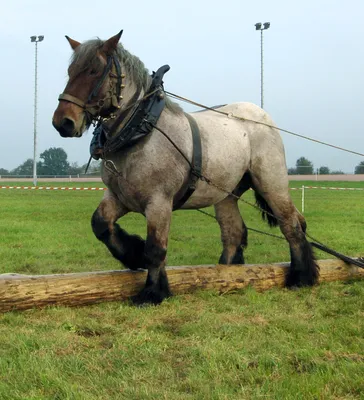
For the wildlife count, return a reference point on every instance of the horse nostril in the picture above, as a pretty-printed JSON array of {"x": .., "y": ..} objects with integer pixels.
[
  {"x": 68, "y": 124},
  {"x": 66, "y": 127}
]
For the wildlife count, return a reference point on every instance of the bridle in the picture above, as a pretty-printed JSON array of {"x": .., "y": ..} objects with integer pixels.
[{"x": 93, "y": 109}]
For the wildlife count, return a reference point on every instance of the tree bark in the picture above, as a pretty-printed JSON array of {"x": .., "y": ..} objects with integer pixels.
[{"x": 21, "y": 292}]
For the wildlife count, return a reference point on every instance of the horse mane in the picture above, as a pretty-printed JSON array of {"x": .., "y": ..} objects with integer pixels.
[{"x": 84, "y": 57}]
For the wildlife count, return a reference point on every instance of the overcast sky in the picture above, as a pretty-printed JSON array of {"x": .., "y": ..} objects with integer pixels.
[{"x": 313, "y": 63}]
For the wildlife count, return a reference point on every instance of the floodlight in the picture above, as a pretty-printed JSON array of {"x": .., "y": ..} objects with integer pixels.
[
  {"x": 35, "y": 39},
  {"x": 261, "y": 27}
]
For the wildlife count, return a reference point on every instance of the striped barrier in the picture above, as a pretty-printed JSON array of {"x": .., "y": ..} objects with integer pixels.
[
  {"x": 52, "y": 188},
  {"x": 103, "y": 188},
  {"x": 82, "y": 188},
  {"x": 302, "y": 189},
  {"x": 328, "y": 188}
]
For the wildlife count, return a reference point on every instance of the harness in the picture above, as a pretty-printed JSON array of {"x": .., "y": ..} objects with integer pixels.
[
  {"x": 196, "y": 165},
  {"x": 140, "y": 123},
  {"x": 92, "y": 109}
]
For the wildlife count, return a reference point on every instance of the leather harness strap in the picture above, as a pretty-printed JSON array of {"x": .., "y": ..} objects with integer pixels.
[
  {"x": 99, "y": 84},
  {"x": 92, "y": 109},
  {"x": 140, "y": 123},
  {"x": 196, "y": 164},
  {"x": 71, "y": 99}
]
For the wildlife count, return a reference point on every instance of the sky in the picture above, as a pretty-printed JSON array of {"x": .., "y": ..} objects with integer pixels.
[{"x": 313, "y": 65}]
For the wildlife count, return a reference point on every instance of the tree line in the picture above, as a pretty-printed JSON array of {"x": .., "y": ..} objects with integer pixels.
[
  {"x": 53, "y": 161},
  {"x": 305, "y": 167}
]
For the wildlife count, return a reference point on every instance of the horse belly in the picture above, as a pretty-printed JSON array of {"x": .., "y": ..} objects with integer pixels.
[{"x": 225, "y": 158}]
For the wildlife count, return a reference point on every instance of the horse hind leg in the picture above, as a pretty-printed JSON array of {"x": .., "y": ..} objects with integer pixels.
[
  {"x": 304, "y": 270},
  {"x": 128, "y": 249},
  {"x": 234, "y": 235}
]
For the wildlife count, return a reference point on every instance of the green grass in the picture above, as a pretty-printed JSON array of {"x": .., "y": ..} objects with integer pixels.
[
  {"x": 49, "y": 231},
  {"x": 305, "y": 344}
]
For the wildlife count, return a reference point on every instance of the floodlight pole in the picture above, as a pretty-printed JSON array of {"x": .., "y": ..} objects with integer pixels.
[
  {"x": 261, "y": 69},
  {"x": 259, "y": 27},
  {"x": 35, "y": 39}
]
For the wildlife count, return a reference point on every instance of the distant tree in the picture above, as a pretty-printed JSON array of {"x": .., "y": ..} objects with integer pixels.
[
  {"x": 53, "y": 162},
  {"x": 95, "y": 167},
  {"x": 359, "y": 169},
  {"x": 4, "y": 171},
  {"x": 324, "y": 171},
  {"x": 304, "y": 166},
  {"x": 24, "y": 169},
  {"x": 75, "y": 169},
  {"x": 337, "y": 172},
  {"x": 292, "y": 171}
]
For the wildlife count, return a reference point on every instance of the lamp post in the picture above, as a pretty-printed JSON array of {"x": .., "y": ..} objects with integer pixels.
[
  {"x": 261, "y": 27},
  {"x": 35, "y": 39}
]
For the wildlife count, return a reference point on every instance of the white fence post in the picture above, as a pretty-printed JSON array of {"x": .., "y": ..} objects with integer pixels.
[{"x": 303, "y": 199}]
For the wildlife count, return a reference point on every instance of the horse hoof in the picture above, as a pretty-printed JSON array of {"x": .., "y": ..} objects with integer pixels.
[
  {"x": 295, "y": 281},
  {"x": 134, "y": 262},
  {"x": 150, "y": 296},
  {"x": 293, "y": 288}
]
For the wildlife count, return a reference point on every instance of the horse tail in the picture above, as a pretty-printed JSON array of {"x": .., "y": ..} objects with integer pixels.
[{"x": 267, "y": 213}]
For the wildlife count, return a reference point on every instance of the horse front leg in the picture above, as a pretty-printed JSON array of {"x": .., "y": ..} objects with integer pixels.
[
  {"x": 128, "y": 249},
  {"x": 156, "y": 288}
]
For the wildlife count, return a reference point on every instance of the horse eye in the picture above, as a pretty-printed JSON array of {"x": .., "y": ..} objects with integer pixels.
[{"x": 93, "y": 72}]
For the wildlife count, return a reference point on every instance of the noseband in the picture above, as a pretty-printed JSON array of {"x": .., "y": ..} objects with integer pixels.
[{"x": 91, "y": 109}]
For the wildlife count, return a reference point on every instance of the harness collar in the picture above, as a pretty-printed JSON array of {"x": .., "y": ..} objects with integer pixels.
[{"x": 139, "y": 124}]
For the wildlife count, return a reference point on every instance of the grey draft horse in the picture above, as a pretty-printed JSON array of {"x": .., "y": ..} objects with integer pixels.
[{"x": 106, "y": 84}]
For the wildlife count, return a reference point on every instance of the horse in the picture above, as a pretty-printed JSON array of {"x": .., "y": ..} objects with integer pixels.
[{"x": 154, "y": 162}]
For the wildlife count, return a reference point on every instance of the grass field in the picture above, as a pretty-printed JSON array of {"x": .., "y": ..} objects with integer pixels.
[{"x": 306, "y": 344}]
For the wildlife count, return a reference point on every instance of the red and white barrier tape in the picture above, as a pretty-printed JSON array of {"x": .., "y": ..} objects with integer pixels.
[
  {"x": 52, "y": 188},
  {"x": 103, "y": 188},
  {"x": 327, "y": 188}
]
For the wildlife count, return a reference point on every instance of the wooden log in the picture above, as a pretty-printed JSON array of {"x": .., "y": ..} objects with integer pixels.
[{"x": 21, "y": 292}]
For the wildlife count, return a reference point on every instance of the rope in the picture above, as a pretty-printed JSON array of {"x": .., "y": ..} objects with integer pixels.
[
  {"x": 316, "y": 243},
  {"x": 231, "y": 115},
  {"x": 208, "y": 181},
  {"x": 249, "y": 229},
  {"x": 174, "y": 144}
]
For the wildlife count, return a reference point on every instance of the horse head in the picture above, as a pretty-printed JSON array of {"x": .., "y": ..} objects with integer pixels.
[{"x": 93, "y": 91}]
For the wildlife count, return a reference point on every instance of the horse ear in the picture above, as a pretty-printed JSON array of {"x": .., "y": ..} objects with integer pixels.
[
  {"x": 74, "y": 44},
  {"x": 111, "y": 44}
]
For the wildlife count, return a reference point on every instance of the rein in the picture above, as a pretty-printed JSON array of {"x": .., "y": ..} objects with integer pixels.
[
  {"x": 315, "y": 243},
  {"x": 231, "y": 115}
]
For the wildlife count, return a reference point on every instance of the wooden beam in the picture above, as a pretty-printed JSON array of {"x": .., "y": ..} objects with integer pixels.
[{"x": 21, "y": 292}]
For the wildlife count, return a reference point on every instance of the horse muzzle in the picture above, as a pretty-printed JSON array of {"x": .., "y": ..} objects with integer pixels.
[
  {"x": 66, "y": 127},
  {"x": 68, "y": 120}
]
